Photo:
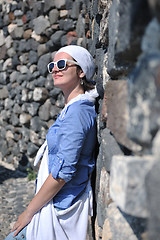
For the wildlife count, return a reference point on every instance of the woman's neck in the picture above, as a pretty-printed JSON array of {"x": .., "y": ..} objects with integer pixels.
[{"x": 72, "y": 94}]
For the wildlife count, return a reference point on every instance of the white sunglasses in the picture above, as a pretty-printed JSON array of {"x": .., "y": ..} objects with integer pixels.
[{"x": 60, "y": 64}]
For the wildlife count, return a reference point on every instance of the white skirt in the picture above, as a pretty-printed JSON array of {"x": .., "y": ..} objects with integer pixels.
[{"x": 49, "y": 224}]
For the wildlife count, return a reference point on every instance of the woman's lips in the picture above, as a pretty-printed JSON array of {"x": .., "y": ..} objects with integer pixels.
[{"x": 57, "y": 76}]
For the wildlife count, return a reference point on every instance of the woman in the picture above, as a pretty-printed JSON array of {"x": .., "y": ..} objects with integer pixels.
[{"x": 60, "y": 208}]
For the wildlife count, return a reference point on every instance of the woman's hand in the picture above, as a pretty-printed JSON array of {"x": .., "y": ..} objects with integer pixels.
[
  {"x": 22, "y": 221},
  {"x": 48, "y": 190}
]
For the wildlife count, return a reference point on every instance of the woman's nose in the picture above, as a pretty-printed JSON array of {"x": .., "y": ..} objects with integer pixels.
[{"x": 55, "y": 68}]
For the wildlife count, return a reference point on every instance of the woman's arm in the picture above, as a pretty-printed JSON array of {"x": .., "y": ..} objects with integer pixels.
[{"x": 48, "y": 190}]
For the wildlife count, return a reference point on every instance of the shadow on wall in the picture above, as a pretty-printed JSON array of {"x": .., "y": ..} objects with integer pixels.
[{"x": 137, "y": 224}]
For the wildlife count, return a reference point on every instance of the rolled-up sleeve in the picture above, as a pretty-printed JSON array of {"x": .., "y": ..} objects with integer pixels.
[
  {"x": 56, "y": 167},
  {"x": 70, "y": 139}
]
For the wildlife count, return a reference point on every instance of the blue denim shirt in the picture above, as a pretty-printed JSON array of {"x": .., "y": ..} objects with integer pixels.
[{"x": 71, "y": 142}]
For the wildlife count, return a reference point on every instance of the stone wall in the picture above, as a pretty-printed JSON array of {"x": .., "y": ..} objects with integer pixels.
[
  {"x": 30, "y": 33},
  {"x": 124, "y": 39},
  {"x": 128, "y": 162}
]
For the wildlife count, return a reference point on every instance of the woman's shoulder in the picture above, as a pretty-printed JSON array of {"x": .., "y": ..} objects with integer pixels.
[
  {"x": 81, "y": 105},
  {"x": 78, "y": 109},
  {"x": 82, "y": 110}
]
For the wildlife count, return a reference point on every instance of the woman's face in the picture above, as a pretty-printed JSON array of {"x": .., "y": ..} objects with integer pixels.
[{"x": 68, "y": 78}]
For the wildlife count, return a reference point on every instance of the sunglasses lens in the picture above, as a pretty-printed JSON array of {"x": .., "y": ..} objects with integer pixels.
[
  {"x": 61, "y": 64},
  {"x": 50, "y": 67}
]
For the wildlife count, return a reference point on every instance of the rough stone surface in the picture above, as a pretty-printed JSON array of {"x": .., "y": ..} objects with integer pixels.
[
  {"x": 44, "y": 111},
  {"x": 153, "y": 194},
  {"x": 40, "y": 24},
  {"x": 147, "y": 45},
  {"x": 106, "y": 234},
  {"x": 110, "y": 143},
  {"x": 144, "y": 102},
  {"x": 53, "y": 16},
  {"x": 3, "y": 93},
  {"x": 117, "y": 114},
  {"x": 123, "y": 226},
  {"x": 43, "y": 61},
  {"x": 103, "y": 198},
  {"x": 125, "y": 44},
  {"x": 127, "y": 183},
  {"x": 40, "y": 94}
]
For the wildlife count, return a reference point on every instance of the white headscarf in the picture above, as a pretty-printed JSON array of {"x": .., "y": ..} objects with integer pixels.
[{"x": 83, "y": 57}]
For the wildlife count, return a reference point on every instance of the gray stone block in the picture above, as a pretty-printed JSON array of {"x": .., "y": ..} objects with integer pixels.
[
  {"x": 103, "y": 198},
  {"x": 40, "y": 24},
  {"x": 144, "y": 99},
  {"x": 156, "y": 148},
  {"x": 127, "y": 183},
  {"x": 116, "y": 94},
  {"x": 44, "y": 110},
  {"x": 56, "y": 37},
  {"x": 109, "y": 147},
  {"x": 36, "y": 124},
  {"x": 3, "y": 93},
  {"x": 155, "y": 7},
  {"x": 48, "y": 5},
  {"x": 100, "y": 54},
  {"x": 43, "y": 62},
  {"x": 153, "y": 198},
  {"x": 3, "y": 78},
  {"x": 40, "y": 94},
  {"x": 125, "y": 23},
  {"x": 75, "y": 9},
  {"x": 53, "y": 16},
  {"x": 148, "y": 43},
  {"x": 59, "y": 3},
  {"x": 124, "y": 226},
  {"x": 32, "y": 149}
]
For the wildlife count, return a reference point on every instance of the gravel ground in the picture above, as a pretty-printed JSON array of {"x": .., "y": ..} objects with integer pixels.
[{"x": 15, "y": 194}]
